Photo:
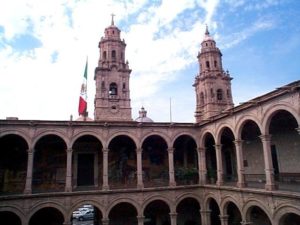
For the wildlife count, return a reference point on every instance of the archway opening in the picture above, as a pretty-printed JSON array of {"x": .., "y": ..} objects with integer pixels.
[
  {"x": 254, "y": 169},
  {"x": 47, "y": 216},
  {"x": 185, "y": 160},
  {"x": 285, "y": 145},
  {"x": 123, "y": 214},
  {"x": 49, "y": 166},
  {"x": 214, "y": 212},
  {"x": 87, "y": 163},
  {"x": 258, "y": 217},
  {"x": 234, "y": 214},
  {"x": 13, "y": 164},
  {"x": 157, "y": 213},
  {"x": 122, "y": 162},
  {"x": 211, "y": 159},
  {"x": 86, "y": 214},
  {"x": 228, "y": 156},
  {"x": 9, "y": 218},
  {"x": 290, "y": 219},
  {"x": 155, "y": 162},
  {"x": 188, "y": 212}
]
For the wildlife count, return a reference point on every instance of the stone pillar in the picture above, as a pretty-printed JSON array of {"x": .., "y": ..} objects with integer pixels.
[
  {"x": 240, "y": 163},
  {"x": 205, "y": 217},
  {"x": 224, "y": 219},
  {"x": 171, "y": 167},
  {"x": 202, "y": 165},
  {"x": 105, "y": 221},
  {"x": 140, "y": 220},
  {"x": 105, "y": 170},
  {"x": 173, "y": 217},
  {"x": 67, "y": 223},
  {"x": 219, "y": 165},
  {"x": 68, "y": 187},
  {"x": 269, "y": 171},
  {"x": 140, "y": 183},
  {"x": 28, "y": 184},
  {"x": 246, "y": 223}
]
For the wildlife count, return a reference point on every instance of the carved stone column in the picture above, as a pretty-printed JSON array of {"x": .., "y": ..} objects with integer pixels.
[
  {"x": 140, "y": 183},
  {"x": 205, "y": 217},
  {"x": 140, "y": 220},
  {"x": 105, "y": 185},
  {"x": 68, "y": 187},
  {"x": 219, "y": 165},
  {"x": 28, "y": 184},
  {"x": 171, "y": 167},
  {"x": 173, "y": 217},
  {"x": 269, "y": 171},
  {"x": 240, "y": 163},
  {"x": 105, "y": 221},
  {"x": 224, "y": 219},
  {"x": 202, "y": 165}
]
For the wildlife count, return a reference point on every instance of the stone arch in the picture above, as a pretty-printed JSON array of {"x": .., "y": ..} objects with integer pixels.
[
  {"x": 130, "y": 201},
  {"x": 251, "y": 203},
  {"x": 189, "y": 195},
  {"x": 17, "y": 211},
  {"x": 22, "y": 134},
  {"x": 203, "y": 137},
  {"x": 157, "y": 133},
  {"x": 184, "y": 133},
  {"x": 81, "y": 202},
  {"x": 158, "y": 209},
  {"x": 122, "y": 133},
  {"x": 242, "y": 121},
  {"x": 284, "y": 210},
  {"x": 52, "y": 132},
  {"x": 158, "y": 197},
  {"x": 47, "y": 215},
  {"x": 270, "y": 112},
  {"x": 225, "y": 201},
  {"x": 207, "y": 199},
  {"x": 85, "y": 133},
  {"x": 188, "y": 211},
  {"x": 48, "y": 204},
  {"x": 220, "y": 130}
]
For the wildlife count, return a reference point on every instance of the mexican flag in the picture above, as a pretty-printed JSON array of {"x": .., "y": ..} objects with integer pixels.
[{"x": 82, "y": 108}]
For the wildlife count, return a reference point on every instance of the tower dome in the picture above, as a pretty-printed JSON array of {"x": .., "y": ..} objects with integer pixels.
[{"x": 143, "y": 116}]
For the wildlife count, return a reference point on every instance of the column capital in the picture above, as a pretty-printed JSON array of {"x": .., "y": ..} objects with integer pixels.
[
  {"x": 30, "y": 150},
  {"x": 265, "y": 137},
  {"x": 218, "y": 146},
  {"x": 201, "y": 149},
  {"x": 238, "y": 141},
  {"x": 139, "y": 150},
  {"x": 170, "y": 150},
  {"x": 298, "y": 130},
  {"x": 69, "y": 150},
  {"x": 105, "y": 150}
]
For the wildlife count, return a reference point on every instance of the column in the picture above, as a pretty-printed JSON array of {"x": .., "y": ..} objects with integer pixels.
[
  {"x": 68, "y": 187},
  {"x": 224, "y": 219},
  {"x": 246, "y": 223},
  {"x": 202, "y": 165},
  {"x": 140, "y": 220},
  {"x": 240, "y": 163},
  {"x": 171, "y": 167},
  {"x": 140, "y": 183},
  {"x": 269, "y": 171},
  {"x": 219, "y": 165},
  {"x": 67, "y": 223},
  {"x": 205, "y": 217},
  {"x": 28, "y": 184},
  {"x": 105, "y": 170},
  {"x": 105, "y": 221},
  {"x": 298, "y": 130},
  {"x": 173, "y": 217}
]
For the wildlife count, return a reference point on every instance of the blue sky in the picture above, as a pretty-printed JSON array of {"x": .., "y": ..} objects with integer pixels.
[{"x": 44, "y": 45}]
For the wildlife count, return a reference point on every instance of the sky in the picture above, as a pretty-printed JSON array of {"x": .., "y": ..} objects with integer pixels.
[{"x": 44, "y": 46}]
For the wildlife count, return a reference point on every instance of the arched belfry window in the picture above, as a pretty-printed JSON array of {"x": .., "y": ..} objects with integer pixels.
[
  {"x": 104, "y": 55},
  {"x": 207, "y": 64},
  {"x": 113, "y": 55},
  {"x": 113, "y": 89},
  {"x": 219, "y": 94},
  {"x": 201, "y": 98}
]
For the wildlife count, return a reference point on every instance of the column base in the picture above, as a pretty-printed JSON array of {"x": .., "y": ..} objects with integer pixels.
[
  {"x": 241, "y": 185},
  {"x": 140, "y": 186},
  {"x": 27, "y": 191},
  {"x": 172, "y": 184},
  {"x": 68, "y": 189},
  {"x": 220, "y": 183},
  {"x": 271, "y": 187},
  {"x": 105, "y": 187}
]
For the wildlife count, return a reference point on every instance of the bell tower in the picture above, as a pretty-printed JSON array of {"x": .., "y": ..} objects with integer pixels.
[
  {"x": 112, "y": 100},
  {"x": 212, "y": 84}
]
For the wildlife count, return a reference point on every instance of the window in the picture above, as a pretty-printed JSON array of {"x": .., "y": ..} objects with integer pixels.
[
  {"x": 219, "y": 94},
  {"x": 228, "y": 93},
  {"x": 124, "y": 85},
  {"x": 102, "y": 85},
  {"x": 113, "y": 55},
  {"x": 207, "y": 64},
  {"x": 104, "y": 55},
  {"x": 201, "y": 98},
  {"x": 212, "y": 93},
  {"x": 215, "y": 62},
  {"x": 113, "y": 89}
]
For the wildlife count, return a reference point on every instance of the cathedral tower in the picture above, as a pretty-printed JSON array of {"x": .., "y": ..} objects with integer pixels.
[
  {"x": 112, "y": 100},
  {"x": 212, "y": 84}
]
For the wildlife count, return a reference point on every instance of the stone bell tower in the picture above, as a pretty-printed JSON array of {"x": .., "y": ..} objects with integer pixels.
[
  {"x": 112, "y": 100},
  {"x": 212, "y": 84}
]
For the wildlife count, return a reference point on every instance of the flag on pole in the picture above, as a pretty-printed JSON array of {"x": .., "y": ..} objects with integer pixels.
[{"x": 82, "y": 108}]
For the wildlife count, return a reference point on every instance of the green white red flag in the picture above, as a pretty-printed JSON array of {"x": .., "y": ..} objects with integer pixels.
[{"x": 82, "y": 108}]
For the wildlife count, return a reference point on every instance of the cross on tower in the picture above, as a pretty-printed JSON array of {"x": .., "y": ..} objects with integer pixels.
[{"x": 112, "y": 19}]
